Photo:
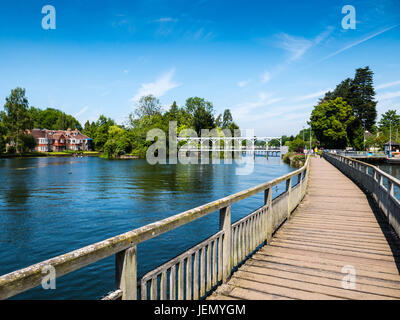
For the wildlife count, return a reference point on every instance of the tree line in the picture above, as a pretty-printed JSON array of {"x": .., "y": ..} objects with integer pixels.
[
  {"x": 111, "y": 139},
  {"x": 130, "y": 138}
]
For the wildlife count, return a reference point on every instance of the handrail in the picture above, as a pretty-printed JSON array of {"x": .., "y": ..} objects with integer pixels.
[
  {"x": 124, "y": 245},
  {"x": 371, "y": 179}
]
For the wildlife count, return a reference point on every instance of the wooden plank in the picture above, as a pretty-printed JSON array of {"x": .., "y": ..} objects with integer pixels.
[{"x": 333, "y": 227}]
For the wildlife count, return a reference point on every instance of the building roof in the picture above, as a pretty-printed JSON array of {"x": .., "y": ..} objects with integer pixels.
[{"x": 57, "y": 134}]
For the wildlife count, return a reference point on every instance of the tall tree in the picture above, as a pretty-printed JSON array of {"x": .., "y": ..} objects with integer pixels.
[
  {"x": 16, "y": 117},
  {"x": 363, "y": 104},
  {"x": 330, "y": 121},
  {"x": 227, "y": 119},
  {"x": 389, "y": 118},
  {"x": 148, "y": 106},
  {"x": 202, "y": 112}
]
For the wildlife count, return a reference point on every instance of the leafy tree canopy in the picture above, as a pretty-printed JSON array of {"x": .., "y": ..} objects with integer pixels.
[{"x": 330, "y": 121}]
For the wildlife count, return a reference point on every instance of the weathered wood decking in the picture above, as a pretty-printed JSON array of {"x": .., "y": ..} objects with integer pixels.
[{"x": 334, "y": 226}]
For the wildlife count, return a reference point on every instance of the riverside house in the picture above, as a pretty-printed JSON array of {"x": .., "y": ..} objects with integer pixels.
[{"x": 61, "y": 140}]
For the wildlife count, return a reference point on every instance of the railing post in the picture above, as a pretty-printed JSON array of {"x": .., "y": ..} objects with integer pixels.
[
  {"x": 225, "y": 225},
  {"x": 126, "y": 273},
  {"x": 289, "y": 191},
  {"x": 268, "y": 203},
  {"x": 391, "y": 188}
]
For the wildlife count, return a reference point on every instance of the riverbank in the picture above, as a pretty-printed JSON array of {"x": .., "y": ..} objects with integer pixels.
[
  {"x": 294, "y": 159},
  {"x": 51, "y": 154}
]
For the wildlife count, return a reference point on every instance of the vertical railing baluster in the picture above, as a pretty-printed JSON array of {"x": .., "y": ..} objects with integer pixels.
[
  {"x": 163, "y": 286},
  {"x": 180, "y": 280},
  {"x": 208, "y": 283},
  {"x": 196, "y": 276},
  {"x": 202, "y": 272},
  {"x": 225, "y": 225},
  {"x": 189, "y": 278},
  {"x": 143, "y": 290},
  {"x": 220, "y": 263},
  {"x": 172, "y": 283},
  {"x": 126, "y": 273},
  {"x": 289, "y": 191},
  {"x": 214, "y": 262},
  {"x": 235, "y": 245},
  {"x": 153, "y": 289},
  {"x": 268, "y": 202}
]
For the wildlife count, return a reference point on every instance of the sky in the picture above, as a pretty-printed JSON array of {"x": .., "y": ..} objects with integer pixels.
[{"x": 267, "y": 61}]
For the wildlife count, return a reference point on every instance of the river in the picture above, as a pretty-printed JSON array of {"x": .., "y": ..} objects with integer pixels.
[
  {"x": 50, "y": 206},
  {"x": 393, "y": 170}
]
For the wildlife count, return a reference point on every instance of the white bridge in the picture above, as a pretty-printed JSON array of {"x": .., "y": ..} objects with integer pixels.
[{"x": 232, "y": 144}]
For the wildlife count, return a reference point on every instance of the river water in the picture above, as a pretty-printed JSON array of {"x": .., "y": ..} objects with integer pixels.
[
  {"x": 50, "y": 206},
  {"x": 393, "y": 170}
]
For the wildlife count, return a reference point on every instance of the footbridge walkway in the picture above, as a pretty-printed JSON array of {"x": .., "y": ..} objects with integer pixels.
[{"x": 333, "y": 234}]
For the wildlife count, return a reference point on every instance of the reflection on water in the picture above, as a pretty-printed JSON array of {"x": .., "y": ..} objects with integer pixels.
[{"x": 49, "y": 206}]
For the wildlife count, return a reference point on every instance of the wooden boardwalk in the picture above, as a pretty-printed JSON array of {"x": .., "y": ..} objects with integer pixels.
[{"x": 334, "y": 227}]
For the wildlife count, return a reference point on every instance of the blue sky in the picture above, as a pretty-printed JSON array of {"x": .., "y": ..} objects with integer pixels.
[{"x": 268, "y": 61}]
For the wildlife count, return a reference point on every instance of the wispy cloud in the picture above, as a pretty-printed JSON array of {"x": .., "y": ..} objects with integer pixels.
[
  {"x": 82, "y": 111},
  {"x": 264, "y": 99},
  {"x": 296, "y": 46},
  {"x": 158, "y": 88},
  {"x": 167, "y": 19},
  {"x": 244, "y": 83},
  {"x": 312, "y": 95},
  {"x": 357, "y": 43},
  {"x": 388, "y": 95},
  {"x": 387, "y": 85},
  {"x": 265, "y": 77}
]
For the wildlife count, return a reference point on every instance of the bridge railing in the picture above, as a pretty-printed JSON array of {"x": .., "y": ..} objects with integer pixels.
[
  {"x": 383, "y": 187},
  {"x": 191, "y": 275}
]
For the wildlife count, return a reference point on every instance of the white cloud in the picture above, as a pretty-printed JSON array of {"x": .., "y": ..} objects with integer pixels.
[
  {"x": 264, "y": 99},
  {"x": 265, "y": 77},
  {"x": 312, "y": 95},
  {"x": 296, "y": 46},
  {"x": 167, "y": 19},
  {"x": 81, "y": 112},
  {"x": 387, "y": 85},
  {"x": 388, "y": 95},
  {"x": 244, "y": 83},
  {"x": 158, "y": 88},
  {"x": 357, "y": 43}
]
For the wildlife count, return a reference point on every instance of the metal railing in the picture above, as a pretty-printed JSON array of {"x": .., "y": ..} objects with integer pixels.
[
  {"x": 193, "y": 274},
  {"x": 384, "y": 188}
]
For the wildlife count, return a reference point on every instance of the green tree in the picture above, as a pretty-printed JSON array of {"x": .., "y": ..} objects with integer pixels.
[
  {"x": 359, "y": 93},
  {"x": 101, "y": 134},
  {"x": 118, "y": 142},
  {"x": 3, "y": 132},
  {"x": 227, "y": 119},
  {"x": 330, "y": 121},
  {"x": 202, "y": 112},
  {"x": 389, "y": 118},
  {"x": 16, "y": 117},
  {"x": 148, "y": 106},
  {"x": 53, "y": 119}
]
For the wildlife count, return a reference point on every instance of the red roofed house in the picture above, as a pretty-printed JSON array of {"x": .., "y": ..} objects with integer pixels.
[{"x": 60, "y": 140}]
